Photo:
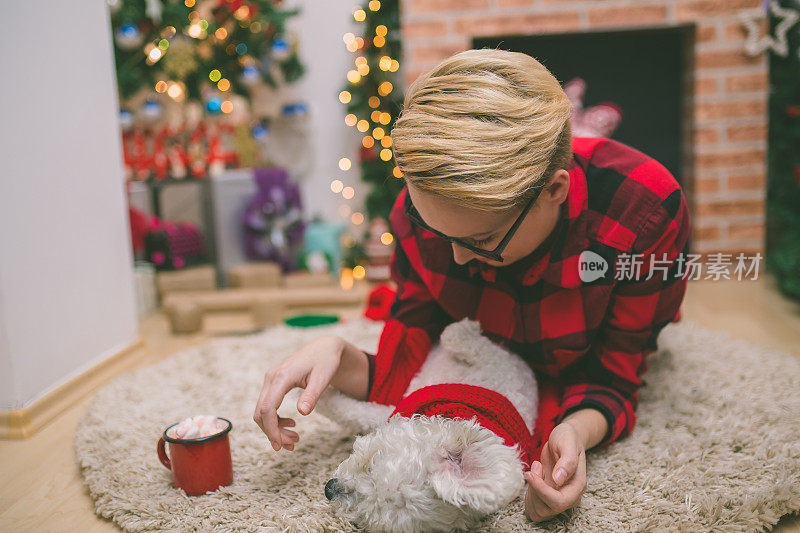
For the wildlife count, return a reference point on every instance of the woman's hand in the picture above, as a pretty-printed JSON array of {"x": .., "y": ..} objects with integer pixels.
[
  {"x": 312, "y": 369},
  {"x": 558, "y": 482}
]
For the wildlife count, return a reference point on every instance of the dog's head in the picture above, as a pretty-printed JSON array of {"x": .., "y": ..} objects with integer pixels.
[{"x": 425, "y": 474}]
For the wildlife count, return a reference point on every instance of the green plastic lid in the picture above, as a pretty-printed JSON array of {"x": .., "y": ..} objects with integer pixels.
[{"x": 307, "y": 321}]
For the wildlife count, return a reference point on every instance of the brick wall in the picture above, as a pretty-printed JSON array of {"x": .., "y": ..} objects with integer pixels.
[{"x": 726, "y": 94}]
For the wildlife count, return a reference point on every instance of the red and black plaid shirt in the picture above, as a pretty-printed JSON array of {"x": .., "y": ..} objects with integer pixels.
[{"x": 593, "y": 337}]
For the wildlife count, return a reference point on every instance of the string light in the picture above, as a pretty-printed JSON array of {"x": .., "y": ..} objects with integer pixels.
[
  {"x": 361, "y": 60},
  {"x": 368, "y": 142},
  {"x": 387, "y": 238},
  {"x": 189, "y": 3},
  {"x": 344, "y": 97},
  {"x": 215, "y": 75},
  {"x": 386, "y": 154},
  {"x": 224, "y": 84},
  {"x": 378, "y": 133},
  {"x": 337, "y": 186},
  {"x": 384, "y": 63},
  {"x": 226, "y": 106},
  {"x": 374, "y": 101},
  {"x": 385, "y": 118},
  {"x": 161, "y": 86},
  {"x": 375, "y": 116},
  {"x": 163, "y": 44},
  {"x": 221, "y": 34},
  {"x": 346, "y": 279},
  {"x": 386, "y": 142},
  {"x": 381, "y": 30},
  {"x": 357, "y": 218},
  {"x": 359, "y": 272},
  {"x": 155, "y": 54},
  {"x": 344, "y": 164},
  {"x": 359, "y": 43},
  {"x": 378, "y": 41},
  {"x": 362, "y": 125},
  {"x": 385, "y": 88},
  {"x": 255, "y": 27},
  {"x": 394, "y": 66},
  {"x": 360, "y": 15},
  {"x": 350, "y": 119},
  {"x": 348, "y": 193},
  {"x": 196, "y": 31},
  {"x": 242, "y": 13},
  {"x": 353, "y": 76},
  {"x": 374, "y": 5},
  {"x": 396, "y": 172},
  {"x": 352, "y": 46},
  {"x": 348, "y": 37},
  {"x": 175, "y": 91}
]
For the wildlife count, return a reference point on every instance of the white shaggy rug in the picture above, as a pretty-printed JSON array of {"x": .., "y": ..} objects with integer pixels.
[{"x": 716, "y": 446}]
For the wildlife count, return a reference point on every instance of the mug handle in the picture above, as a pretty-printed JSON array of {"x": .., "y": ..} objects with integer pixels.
[{"x": 162, "y": 453}]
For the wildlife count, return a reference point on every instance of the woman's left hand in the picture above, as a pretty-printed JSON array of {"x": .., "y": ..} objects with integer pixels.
[{"x": 551, "y": 491}]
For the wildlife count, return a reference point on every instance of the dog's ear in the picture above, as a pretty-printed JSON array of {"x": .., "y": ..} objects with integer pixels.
[{"x": 476, "y": 470}]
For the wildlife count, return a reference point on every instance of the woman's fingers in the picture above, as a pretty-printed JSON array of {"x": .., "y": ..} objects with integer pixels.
[
  {"x": 559, "y": 500},
  {"x": 280, "y": 384}
]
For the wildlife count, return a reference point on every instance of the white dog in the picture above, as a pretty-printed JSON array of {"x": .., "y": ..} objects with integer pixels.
[{"x": 438, "y": 473}]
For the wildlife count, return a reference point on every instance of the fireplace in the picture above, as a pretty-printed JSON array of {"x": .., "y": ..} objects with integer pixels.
[{"x": 692, "y": 98}]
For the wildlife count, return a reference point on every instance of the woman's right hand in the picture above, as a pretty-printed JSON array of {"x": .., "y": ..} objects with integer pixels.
[{"x": 311, "y": 368}]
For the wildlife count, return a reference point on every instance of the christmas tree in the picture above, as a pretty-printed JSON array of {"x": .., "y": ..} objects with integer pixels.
[
  {"x": 195, "y": 48},
  {"x": 373, "y": 101},
  {"x": 783, "y": 188}
]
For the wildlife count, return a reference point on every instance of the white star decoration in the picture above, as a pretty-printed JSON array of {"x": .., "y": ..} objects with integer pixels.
[{"x": 778, "y": 44}]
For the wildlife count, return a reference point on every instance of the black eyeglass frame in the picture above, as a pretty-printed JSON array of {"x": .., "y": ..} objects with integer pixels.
[{"x": 413, "y": 215}]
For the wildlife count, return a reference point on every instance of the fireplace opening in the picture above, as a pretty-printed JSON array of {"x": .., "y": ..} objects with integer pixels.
[{"x": 643, "y": 71}]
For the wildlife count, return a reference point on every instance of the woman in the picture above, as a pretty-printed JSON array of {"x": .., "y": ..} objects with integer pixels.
[{"x": 508, "y": 220}]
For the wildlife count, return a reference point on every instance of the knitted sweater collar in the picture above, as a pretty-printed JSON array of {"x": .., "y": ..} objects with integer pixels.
[{"x": 491, "y": 410}]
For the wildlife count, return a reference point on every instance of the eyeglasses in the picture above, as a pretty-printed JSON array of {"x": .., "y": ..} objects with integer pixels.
[{"x": 413, "y": 215}]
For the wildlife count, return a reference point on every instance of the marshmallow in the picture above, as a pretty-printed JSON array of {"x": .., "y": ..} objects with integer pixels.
[{"x": 197, "y": 427}]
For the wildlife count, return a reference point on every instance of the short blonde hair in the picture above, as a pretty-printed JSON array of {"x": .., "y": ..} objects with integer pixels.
[{"x": 485, "y": 129}]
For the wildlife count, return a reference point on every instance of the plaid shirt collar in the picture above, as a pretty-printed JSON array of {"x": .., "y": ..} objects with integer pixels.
[{"x": 556, "y": 259}]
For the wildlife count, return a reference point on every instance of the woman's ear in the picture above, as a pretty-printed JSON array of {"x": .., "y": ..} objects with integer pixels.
[{"x": 556, "y": 191}]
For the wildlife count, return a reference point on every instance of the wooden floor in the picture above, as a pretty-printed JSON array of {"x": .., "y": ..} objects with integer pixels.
[{"x": 42, "y": 490}]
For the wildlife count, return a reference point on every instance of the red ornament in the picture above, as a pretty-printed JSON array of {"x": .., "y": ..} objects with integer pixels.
[{"x": 368, "y": 154}]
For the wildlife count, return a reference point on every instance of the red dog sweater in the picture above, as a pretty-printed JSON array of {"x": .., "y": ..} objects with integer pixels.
[{"x": 491, "y": 410}]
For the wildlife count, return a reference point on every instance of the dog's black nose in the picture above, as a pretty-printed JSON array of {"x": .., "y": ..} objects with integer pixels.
[{"x": 332, "y": 488}]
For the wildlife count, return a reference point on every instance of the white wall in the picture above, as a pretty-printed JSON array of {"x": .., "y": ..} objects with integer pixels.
[
  {"x": 320, "y": 27},
  {"x": 66, "y": 280}
]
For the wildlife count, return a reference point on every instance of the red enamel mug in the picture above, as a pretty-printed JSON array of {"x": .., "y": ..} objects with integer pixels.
[{"x": 198, "y": 465}]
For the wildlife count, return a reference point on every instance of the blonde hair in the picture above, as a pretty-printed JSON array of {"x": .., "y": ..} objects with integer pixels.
[{"x": 485, "y": 129}]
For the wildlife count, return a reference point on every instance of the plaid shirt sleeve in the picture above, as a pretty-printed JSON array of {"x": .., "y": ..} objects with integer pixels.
[
  {"x": 608, "y": 377},
  {"x": 416, "y": 322}
]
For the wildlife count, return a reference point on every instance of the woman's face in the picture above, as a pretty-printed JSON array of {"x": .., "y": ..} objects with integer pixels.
[{"x": 485, "y": 230}]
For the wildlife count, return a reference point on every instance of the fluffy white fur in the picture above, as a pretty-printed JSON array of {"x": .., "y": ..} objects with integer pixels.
[{"x": 432, "y": 473}]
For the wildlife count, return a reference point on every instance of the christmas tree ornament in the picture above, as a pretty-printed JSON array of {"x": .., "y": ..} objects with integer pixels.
[
  {"x": 125, "y": 119},
  {"x": 128, "y": 37},
  {"x": 181, "y": 60},
  {"x": 379, "y": 248},
  {"x": 280, "y": 50},
  {"x": 151, "y": 110},
  {"x": 755, "y": 44},
  {"x": 153, "y": 10},
  {"x": 250, "y": 76}
]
